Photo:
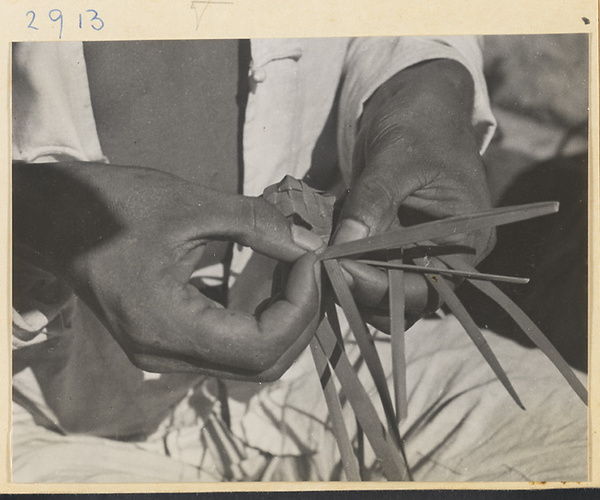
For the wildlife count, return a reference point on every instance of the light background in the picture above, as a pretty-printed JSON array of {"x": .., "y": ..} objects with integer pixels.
[{"x": 178, "y": 19}]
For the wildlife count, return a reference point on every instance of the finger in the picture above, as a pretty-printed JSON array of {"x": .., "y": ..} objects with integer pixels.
[
  {"x": 381, "y": 319},
  {"x": 371, "y": 206},
  {"x": 256, "y": 223},
  {"x": 370, "y": 288},
  {"x": 375, "y": 209},
  {"x": 239, "y": 345},
  {"x": 399, "y": 177},
  {"x": 378, "y": 319}
]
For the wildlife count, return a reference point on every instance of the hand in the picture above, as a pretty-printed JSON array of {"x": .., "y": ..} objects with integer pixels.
[
  {"x": 416, "y": 159},
  {"x": 127, "y": 240}
]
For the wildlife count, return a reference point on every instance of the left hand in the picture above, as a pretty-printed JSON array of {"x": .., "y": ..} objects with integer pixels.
[
  {"x": 416, "y": 158},
  {"x": 128, "y": 239}
]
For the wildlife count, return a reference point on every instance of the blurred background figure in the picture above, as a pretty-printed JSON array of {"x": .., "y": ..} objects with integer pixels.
[{"x": 539, "y": 91}]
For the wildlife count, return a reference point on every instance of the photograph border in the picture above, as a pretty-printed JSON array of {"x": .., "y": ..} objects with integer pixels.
[{"x": 194, "y": 19}]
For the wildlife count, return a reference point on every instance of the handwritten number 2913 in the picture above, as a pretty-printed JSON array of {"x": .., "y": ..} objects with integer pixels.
[{"x": 56, "y": 16}]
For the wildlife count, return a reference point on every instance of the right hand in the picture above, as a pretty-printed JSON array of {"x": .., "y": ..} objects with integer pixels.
[{"x": 416, "y": 159}]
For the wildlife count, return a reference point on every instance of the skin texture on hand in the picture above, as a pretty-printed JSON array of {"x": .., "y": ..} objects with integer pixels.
[
  {"x": 127, "y": 239},
  {"x": 416, "y": 159}
]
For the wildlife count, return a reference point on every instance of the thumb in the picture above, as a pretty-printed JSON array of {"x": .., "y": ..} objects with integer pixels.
[
  {"x": 370, "y": 208},
  {"x": 372, "y": 204}
]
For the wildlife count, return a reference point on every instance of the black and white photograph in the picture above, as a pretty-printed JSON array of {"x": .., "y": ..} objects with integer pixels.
[{"x": 300, "y": 259}]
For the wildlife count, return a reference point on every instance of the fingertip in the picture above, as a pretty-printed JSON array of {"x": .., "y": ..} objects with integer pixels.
[
  {"x": 306, "y": 239},
  {"x": 369, "y": 285},
  {"x": 350, "y": 230},
  {"x": 304, "y": 279}
]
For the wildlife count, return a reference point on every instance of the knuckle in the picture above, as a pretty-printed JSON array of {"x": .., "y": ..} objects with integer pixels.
[
  {"x": 248, "y": 216},
  {"x": 265, "y": 218},
  {"x": 374, "y": 199},
  {"x": 386, "y": 127},
  {"x": 254, "y": 217}
]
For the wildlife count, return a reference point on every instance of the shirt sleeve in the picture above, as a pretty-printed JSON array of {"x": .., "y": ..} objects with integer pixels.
[
  {"x": 51, "y": 107},
  {"x": 372, "y": 61},
  {"x": 52, "y": 120}
]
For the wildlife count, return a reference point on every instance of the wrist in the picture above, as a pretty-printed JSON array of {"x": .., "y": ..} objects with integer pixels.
[
  {"x": 53, "y": 212},
  {"x": 430, "y": 92}
]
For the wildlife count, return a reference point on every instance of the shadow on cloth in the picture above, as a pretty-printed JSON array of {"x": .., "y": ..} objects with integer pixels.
[{"x": 552, "y": 251}]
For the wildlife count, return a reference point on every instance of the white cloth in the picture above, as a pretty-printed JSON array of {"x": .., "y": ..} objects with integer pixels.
[
  {"x": 52, "y": 112},
  {"x": 462, "y": 425}
]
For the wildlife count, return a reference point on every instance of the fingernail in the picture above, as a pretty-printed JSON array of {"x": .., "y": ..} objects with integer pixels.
[
  {"x": 350, "y": 230},
  {"x": 305, "y": 239}
]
